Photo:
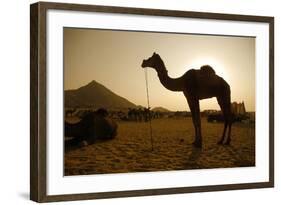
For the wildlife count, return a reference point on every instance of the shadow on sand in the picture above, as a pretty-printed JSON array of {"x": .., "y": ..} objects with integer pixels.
[
  {"x": 240, "y": 161},
  {"x": 218, "y": 153},
  {"x": 192, "y": 160},
  {"x": 73, "y": 144}
]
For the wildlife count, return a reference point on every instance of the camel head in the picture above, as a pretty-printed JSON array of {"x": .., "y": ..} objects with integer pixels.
[{"x": 153, "y": 62}]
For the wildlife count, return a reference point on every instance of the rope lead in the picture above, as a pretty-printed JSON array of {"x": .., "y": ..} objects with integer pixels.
[{"x": 148, "y": 107}]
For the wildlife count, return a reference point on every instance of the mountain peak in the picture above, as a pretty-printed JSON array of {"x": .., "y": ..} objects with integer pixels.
[
  {"x": 92, "y": 83},
  {"x": 95, "y": 95}
]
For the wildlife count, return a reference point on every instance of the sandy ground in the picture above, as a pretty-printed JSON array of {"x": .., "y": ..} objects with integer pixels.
[{"x": 131, "y": 150}]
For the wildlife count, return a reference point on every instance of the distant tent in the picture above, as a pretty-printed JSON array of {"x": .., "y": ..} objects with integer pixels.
[{"x": 238, "y": 108}]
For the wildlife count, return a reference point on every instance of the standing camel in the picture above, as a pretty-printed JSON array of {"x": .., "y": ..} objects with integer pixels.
[{"x": 197, "y": 85}]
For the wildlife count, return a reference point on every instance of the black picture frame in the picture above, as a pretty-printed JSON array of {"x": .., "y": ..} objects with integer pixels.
[{"x": 38, "y": 102}]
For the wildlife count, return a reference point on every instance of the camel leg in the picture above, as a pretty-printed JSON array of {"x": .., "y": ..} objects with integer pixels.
[
  {"x": 229, "y": 129},
  {"x": 195, "y": 111},
  {"x": 229, "y": 134},
  {"x": 198, "y": 140},
  {"x": 223, "y": 134},
  {"x": 226, "y": 109},
  {"x": 221, "y": 104}
]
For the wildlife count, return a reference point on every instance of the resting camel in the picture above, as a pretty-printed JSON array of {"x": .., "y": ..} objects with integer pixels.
[
  {"x": 197, "y": 85},
  {"x": 93, "y": 126}
]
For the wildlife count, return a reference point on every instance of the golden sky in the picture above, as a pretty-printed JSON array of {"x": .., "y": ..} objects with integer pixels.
[{"x": 113, "y": 58}]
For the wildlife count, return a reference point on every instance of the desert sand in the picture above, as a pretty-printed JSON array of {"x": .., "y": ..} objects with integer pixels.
[{"x": 131, "y": 150}]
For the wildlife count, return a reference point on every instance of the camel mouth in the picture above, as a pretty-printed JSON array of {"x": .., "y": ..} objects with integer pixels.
[{"x": 143, "y": 65}]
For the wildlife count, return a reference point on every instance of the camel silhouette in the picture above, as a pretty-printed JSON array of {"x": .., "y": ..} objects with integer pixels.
[
  {"x": 93, "y": 126},
  {"x": 197, "y": 85}
]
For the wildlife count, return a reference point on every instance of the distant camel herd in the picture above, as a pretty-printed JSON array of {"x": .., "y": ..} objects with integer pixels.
[
  {"x": 143, "y": 114},
  {"x": 130, "y": 114}
]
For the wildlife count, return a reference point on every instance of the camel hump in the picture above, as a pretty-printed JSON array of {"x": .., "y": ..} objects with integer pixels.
[{"x": 208, "y": 70}]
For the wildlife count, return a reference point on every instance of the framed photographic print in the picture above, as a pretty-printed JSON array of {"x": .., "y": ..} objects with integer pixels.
[{"x": 134, "y": 102}]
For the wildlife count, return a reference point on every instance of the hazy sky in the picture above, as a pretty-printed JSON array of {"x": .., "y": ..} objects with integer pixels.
[{"x": 113, "y": 58}]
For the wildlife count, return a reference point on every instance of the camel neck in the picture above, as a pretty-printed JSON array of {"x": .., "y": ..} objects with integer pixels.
[{"x": 173, "y": 84}]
